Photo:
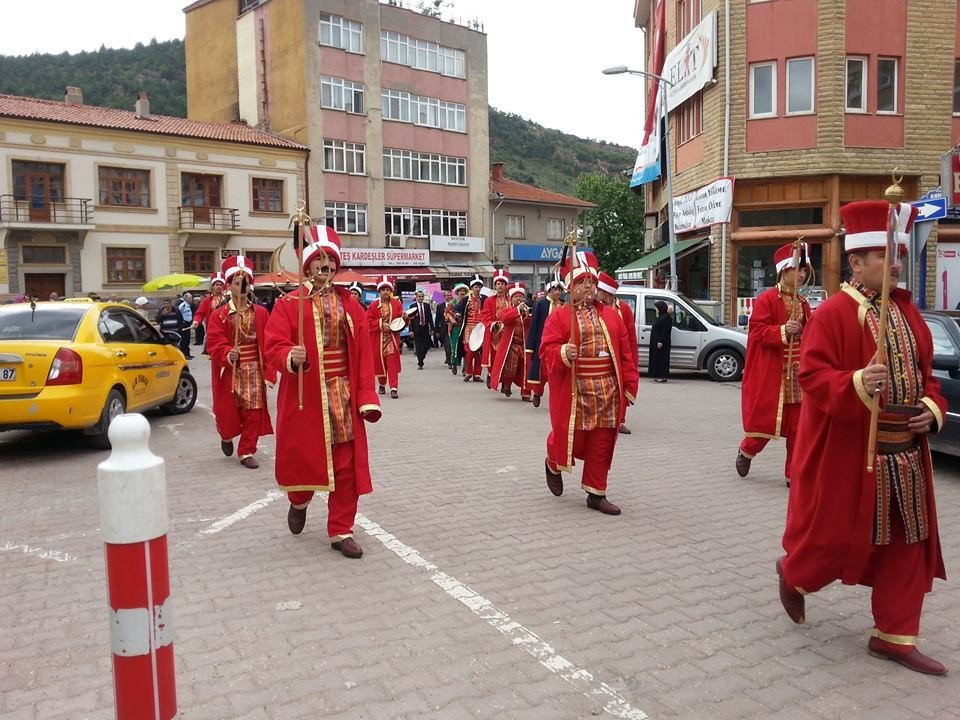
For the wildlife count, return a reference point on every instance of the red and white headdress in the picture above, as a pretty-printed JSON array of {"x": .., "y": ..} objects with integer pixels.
[
  {"x": 865, "y": 223},
  {"x": 578, "y": 267},
  {"x": 783, "y": 257},
  {"x": 234, "y": 264},
  {"x": 217, "y": 277},
  {"x": 607, "y": 283},
  {"x": 516, "y": 288},
  {"x": 323, "y": 239},
  {"x": 502, "y": 274},
  {"x": 385, "y": 281}
]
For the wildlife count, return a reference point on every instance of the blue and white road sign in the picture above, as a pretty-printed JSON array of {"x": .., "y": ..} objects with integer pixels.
[{"x": 931, "y": 209}]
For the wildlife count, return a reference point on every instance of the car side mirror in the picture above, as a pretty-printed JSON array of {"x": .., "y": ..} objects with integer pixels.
[{"x": 949, "y": 363}]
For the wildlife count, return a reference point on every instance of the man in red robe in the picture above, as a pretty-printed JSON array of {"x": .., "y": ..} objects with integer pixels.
[
  {"x": 607, "y": 289},
  {"x": 510, "y": 364},
  {"x": 876, "y": 528},
  {"x": 385, "y": 342},
  {"x": 542, "y": 309},
  {"x": 323, "y": 444},
  {"x": 236, "y": 341},
  {"x": 586, "y": 354},
  {"x": 491, "y": 310},
  {"x": 469, "y": 313},
  {"x": 770, "y": 396},
  {"x": 210, "y": 303}
]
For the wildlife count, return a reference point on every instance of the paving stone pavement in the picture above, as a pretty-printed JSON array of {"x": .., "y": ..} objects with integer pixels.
[{"x": 668, "y": 611}]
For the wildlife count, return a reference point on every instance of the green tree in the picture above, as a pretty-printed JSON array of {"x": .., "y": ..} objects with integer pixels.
[{"x": 617, "y": 220}]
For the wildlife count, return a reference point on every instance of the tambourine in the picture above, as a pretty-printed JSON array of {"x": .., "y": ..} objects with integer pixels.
[
  {"x": 475, "y": 341},
  {"x": 397, "y": 324}
]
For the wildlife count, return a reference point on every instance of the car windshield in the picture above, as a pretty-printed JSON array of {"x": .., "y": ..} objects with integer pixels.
[
  {"x": 44, "y": 323},
  {"x": 704, "y": 315}
]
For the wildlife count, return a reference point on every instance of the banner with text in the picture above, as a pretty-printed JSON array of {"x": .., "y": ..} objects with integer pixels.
[
  {"x": 690, "y": 65},
  {"x": 395, "y": 257},
  {"x": 710, "y": 205},
  {"x": 456, "y": 243},
  {"x": 647, "y": 167}
]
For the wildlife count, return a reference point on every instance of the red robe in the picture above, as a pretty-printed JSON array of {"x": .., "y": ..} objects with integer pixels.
[
  {"x": 513, "y": 324},
  {"x": 376, "y": 335},
  {"x": 831, "y": 508},
  {"x": 630, "y": 323},
  {"x": 559, "y": 375},
  {"x": 491, "y": 310},
  {"x": 202, "y": 316},
  {"x": 221, "y": 336},
  {"x": 762, "y": 394},
  {"x": 304, "y": 447}
]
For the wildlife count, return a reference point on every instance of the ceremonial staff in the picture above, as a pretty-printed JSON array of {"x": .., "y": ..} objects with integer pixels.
[
  {"x": 893, "y": 195},
  {"x": 795, "y": 306},
  {"x": 300, "y": 221}
]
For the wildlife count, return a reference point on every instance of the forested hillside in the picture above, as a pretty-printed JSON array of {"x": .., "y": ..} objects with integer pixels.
[{"x": 112, "y": 77}]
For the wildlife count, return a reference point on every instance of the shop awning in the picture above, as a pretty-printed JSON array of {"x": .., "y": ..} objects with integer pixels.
[
  {"x": 660, "y": 255},
  {"x": 420, "y": 273}
]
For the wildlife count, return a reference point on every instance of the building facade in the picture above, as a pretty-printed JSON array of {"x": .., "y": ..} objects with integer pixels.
[
  {"x": 529, "y": 225},
  {"x": 808, "y": 105},
  {"x": 392, "y": 103},
  {"x": 100, "y": 200}
]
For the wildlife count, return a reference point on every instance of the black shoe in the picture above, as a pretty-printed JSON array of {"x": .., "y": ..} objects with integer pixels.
[
  {"x": 742, "y": 464},
  {"x": 394, "y": 394},
  {"x": 296, "y": 519},
  {"x": 383, "y": 390},
  {"x": 348, "y": 547},
  {"x": 226, "y": 447},
  {"x": 466, "y": 378},
  {"x": 600, "y": 502},
  {"x": 536, "y": 401},
  {"x": 554, "y": 480}
]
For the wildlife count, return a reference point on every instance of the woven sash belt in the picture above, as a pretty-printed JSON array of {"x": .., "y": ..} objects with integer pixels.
[
  {"x": 595, "y": 367},
  {"x": 893, "y": 436},
  {"x": 249, "y": 352},
  {"x": 335, "y": 363}
]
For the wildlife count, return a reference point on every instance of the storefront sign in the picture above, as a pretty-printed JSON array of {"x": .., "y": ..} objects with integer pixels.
[
  {"x": 710, "y": 205},
  {"x": 455, "y": 243},
  {"x": 396, "y": 257},
  {"x": 690, "y": 65},
  {"x": 948, "y": 276},
  {"x": 538, "y": 253}
]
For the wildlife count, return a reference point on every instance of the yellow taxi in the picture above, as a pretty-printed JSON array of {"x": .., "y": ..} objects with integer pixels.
[{"x": 77, "y": 366}]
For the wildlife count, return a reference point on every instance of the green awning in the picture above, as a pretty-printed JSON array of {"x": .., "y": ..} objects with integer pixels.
[{"x": 661, "y": 254}]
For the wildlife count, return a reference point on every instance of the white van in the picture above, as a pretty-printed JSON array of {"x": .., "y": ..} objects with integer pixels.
[{"x": 698, "y": 342}]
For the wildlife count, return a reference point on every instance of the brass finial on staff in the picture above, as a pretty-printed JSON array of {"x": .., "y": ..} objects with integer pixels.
[
  {"x": 299, "y": 222},
  {"x": 894, "y": 195}
]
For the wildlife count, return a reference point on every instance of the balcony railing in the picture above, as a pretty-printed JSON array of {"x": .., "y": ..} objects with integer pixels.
[
  {"x": 208, "y": 218},
  {"x": 45, "y": 209}
]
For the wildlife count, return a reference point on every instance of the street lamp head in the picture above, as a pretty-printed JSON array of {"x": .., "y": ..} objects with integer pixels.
[{"x": 616, "y": 70}]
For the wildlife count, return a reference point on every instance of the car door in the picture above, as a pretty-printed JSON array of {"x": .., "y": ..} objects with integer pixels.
[
  {"x": 945, "y": 344},
  {"x": 161, "y": 369},
  {"x": 686, "y": 338},
  {"x": 129, "y": 356}
]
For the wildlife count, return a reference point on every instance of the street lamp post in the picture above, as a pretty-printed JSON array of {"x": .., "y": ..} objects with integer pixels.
[{"x": 664, "y": 85}]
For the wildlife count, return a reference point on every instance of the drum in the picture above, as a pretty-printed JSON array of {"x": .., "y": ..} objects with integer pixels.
[
  {"x": 475, "y": 341},
  {"x": 397, "y": 324}
]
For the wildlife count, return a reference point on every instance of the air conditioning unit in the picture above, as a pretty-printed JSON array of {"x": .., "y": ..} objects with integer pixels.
[{"x": 396, "y": 241}]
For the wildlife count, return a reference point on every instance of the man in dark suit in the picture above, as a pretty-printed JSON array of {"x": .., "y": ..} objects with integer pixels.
[
  {"x": 441, "y": 330},
  {"x": 421, "y": 325}
]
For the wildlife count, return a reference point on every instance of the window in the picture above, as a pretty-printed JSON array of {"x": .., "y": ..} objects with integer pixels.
[
  {"x": 780, "y": 217},
  {"x": 348, "y": 218},
  {"x": 260, "y": 261},
  {"x": 123, "y": 187},
  {"x": 856, "y": 85},
  {"x": 942, "y": 342},
  {"x": 688, "y": 17},
  {"x": 514, "y": 227},
  {"x": 554, "y": 229},
  {"x": 800, "y": 86},
  {"x": 763, "y": 90},
  {"x": 424, "y": 167},
  {"x": 345, "y": 157},
  {"x": 338, "y": 32},
  {"x": 44, "y": 255},
  {"x": 113, "y": 327},
  {"x": 690, "y": 118},
  {"x": 887, "y": 85},
  {"x": 682, "y": 320},
  {"x": 267, "y": 195},
  {"x": 126, "y": 265},
  {"x": 395, "y": 105},
  {"x": 339, "y": 94},
  {"x": 199, "y": 262},
  {"x": 143, "y": 331},
  {"x": 39, "y": 182},
  {"x": 417, "y": 222},
  {"x": 430, "y": 112},
  {"x": 956, "y": 87},
  {"x": 422, "y": 54}
]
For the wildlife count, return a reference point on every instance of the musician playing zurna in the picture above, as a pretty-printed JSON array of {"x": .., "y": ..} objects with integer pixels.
[
  {"x": 470, "y": 312},
  {"x": 386, "y": 320},
  {"x": 542, "y": 309},
  {"x": 586, "y": 354},
  {"x": 771, "y": 395},
  {"x": 510, "y": 362},
  {"x": 236, "y": 342},
  {"x": 321, "y": 436}
]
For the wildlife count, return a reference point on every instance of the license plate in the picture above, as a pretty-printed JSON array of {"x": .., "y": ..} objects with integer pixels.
[{"x": 8, "y": 374}]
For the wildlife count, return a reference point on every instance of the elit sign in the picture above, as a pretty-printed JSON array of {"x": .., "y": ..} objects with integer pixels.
[
  {"x": 539, "y": 253},
  {"x": 690, "y": 65}
]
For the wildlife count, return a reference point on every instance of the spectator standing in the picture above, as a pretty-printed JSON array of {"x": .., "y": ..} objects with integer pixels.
[
  {"x": 659, "y": 363},
  {"x": 186, "y": 312},
  {"x": 169, "y": 318}
]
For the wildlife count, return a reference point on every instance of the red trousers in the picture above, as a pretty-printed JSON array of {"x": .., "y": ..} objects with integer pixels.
[
  {"x": 595, "y": 448},
  {"x": 342, "y": 502},
  {"x": 249, "y": 432},
  {"x": 393, "y": 372},
  {"x": 751, "y": 446},
  {"x": 472, "y": 366},
  {"x": 897, "y": 573}
]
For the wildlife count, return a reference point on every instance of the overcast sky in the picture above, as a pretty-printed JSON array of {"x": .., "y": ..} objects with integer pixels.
[{"x": 545, "y": 56}]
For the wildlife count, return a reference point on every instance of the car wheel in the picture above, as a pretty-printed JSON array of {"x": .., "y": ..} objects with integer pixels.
[
  {"x": 115, "y": 405},
  {"x": 185, "y": 396},
  {"x": 725, "y": 365}
]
